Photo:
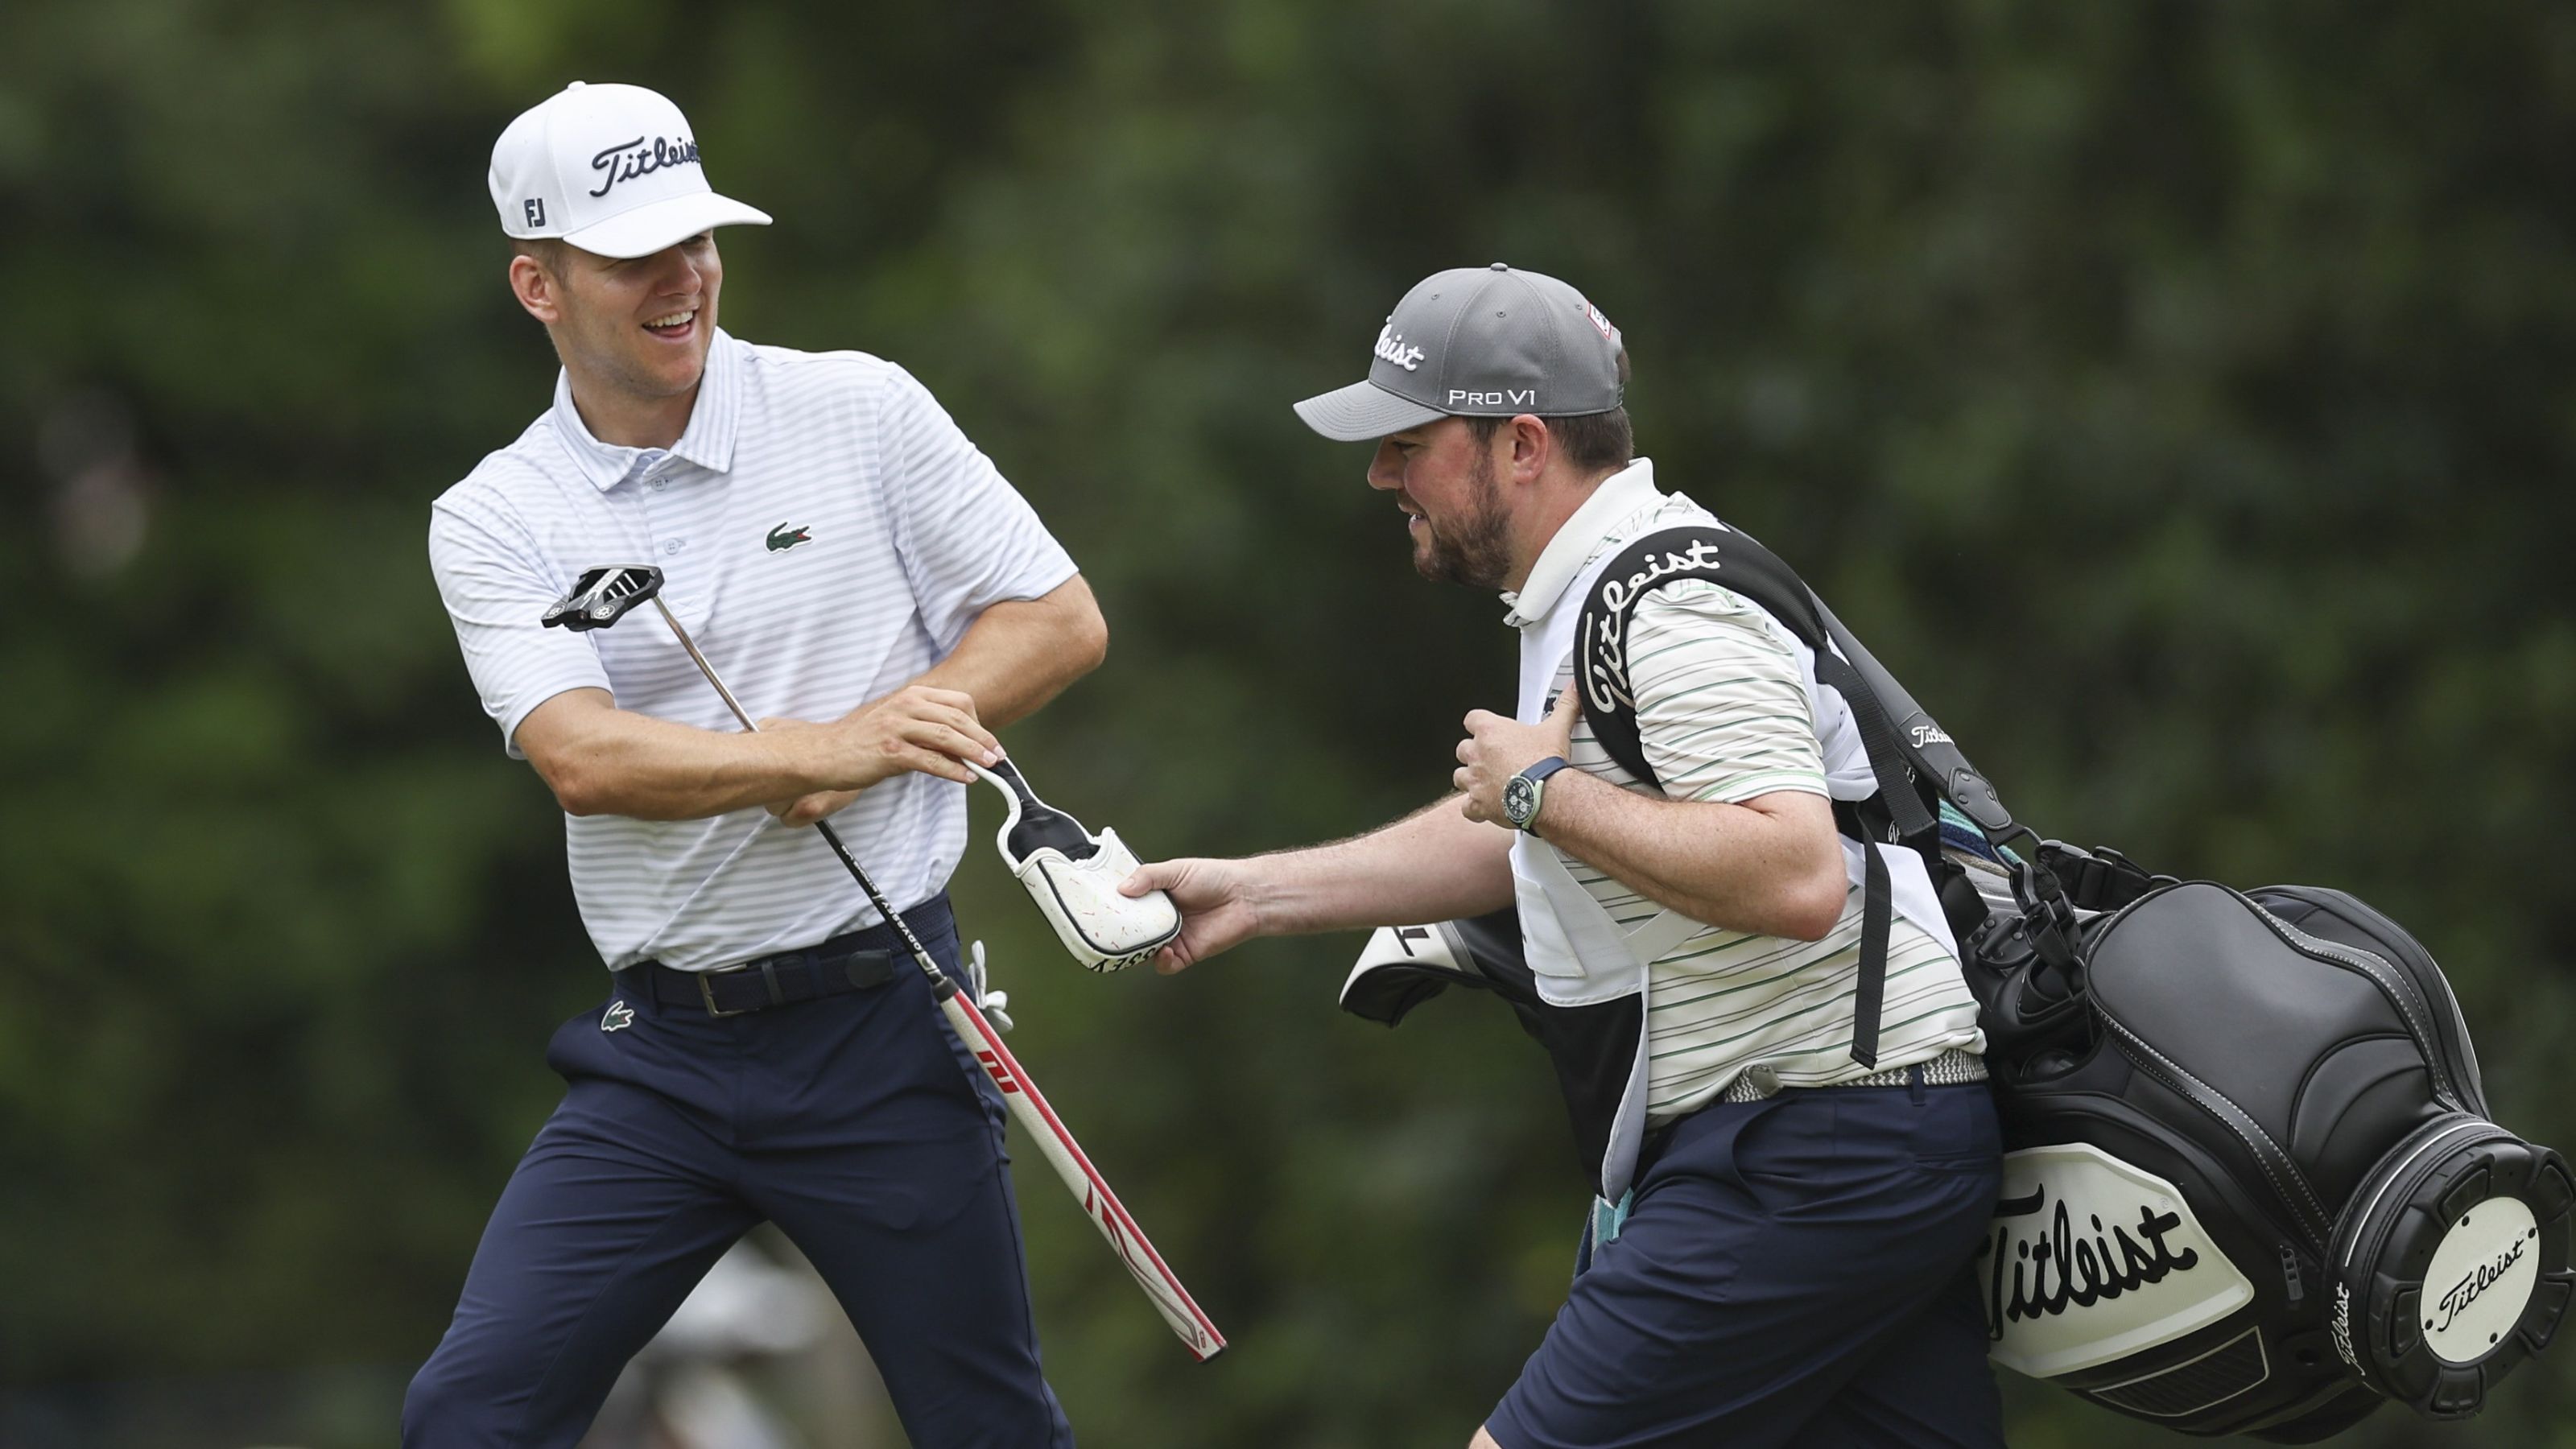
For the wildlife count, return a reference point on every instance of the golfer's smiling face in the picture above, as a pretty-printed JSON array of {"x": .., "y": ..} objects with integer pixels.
[{"x": 641, "y": 326}]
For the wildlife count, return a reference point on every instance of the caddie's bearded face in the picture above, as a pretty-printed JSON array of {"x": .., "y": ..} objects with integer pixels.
[
  {"x": 1443, "y": 478},
  {"x": 640, "y": 325}
]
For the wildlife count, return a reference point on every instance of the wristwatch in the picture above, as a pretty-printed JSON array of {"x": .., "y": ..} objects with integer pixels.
[{"x": 1523, "y": 793}]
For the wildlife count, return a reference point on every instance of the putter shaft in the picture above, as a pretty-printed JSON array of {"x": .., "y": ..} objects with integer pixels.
[
  {"x": 1161, "y": 1286},
  {"x": 705, "y": 668},
  {"x": 939, "y": 979}
]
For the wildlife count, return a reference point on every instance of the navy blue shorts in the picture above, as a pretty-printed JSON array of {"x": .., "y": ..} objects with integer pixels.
[
  {"x": 1794, "y": 1271},
  {"x": 856, "y": 1123}
]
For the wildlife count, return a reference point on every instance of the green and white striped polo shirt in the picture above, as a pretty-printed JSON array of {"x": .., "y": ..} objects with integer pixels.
[{"x": 1724, "y": 713}]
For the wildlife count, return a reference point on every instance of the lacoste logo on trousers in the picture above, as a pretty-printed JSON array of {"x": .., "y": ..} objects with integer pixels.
[
  {"x": 618, "y": 1017},
  {"x": 787, "y": 535}
]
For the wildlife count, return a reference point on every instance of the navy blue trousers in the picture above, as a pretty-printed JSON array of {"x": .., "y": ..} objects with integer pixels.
[
  {"x": 1793, "y": 1272},
  {"x": 856, "y": 1123}
]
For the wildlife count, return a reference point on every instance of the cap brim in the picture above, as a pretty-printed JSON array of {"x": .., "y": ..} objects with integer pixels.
[
  {"x": 1363, "y": 412},
  {"x": 647, "y": 229}
]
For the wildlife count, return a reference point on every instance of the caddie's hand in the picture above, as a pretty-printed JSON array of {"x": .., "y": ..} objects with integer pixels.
[
  {"x": 1496, "y": 749},
  {"x": 1215, "y": 900}
]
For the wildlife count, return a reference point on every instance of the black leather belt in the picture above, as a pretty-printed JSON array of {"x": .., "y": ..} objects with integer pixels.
[
  {"x": 781, "y": 980},
  {"x": 853, "y": 962}
]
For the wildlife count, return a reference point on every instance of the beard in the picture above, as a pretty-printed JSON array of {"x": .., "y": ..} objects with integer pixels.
[{"x": 1474, "y": 550}]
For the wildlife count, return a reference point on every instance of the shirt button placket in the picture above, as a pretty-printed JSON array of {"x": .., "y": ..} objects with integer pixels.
[{"x": 651, "y": 469}]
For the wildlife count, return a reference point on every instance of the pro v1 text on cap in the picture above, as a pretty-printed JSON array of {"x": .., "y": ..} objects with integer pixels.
[{"x": 1488, "y": 342}]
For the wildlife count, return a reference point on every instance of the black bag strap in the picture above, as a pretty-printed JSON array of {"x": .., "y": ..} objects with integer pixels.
[
  {"x": 1925, "y": 746},
  {"x": 1869, "y": 993},
  {"x": 1906, "y": 746}
]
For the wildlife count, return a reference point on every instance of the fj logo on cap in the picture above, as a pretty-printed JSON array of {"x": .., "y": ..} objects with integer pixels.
[
  {"x": 1390, "y": 345},
  {"x": 536, "y": 209}
]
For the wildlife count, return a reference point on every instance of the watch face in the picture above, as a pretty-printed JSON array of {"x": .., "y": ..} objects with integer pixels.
[{"x": 1520, "y": 800}]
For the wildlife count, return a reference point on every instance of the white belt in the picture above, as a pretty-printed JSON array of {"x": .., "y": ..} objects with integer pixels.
[{"x": 1950, "y": 1069}]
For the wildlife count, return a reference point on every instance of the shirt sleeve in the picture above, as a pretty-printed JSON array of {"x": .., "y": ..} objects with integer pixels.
[
  {"x": 495, "y": 595},
  {"x": 1722, "y": 707},
  {"x": 967, "y": 538}
]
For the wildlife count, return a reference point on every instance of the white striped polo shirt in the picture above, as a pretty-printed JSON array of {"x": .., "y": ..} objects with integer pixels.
[
  {"x": 826, "y": 534},
  {"x": 1723, "y": 714}
]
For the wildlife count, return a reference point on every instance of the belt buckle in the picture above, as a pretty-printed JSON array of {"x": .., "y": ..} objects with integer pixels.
[{"x": 707, "y": 993}]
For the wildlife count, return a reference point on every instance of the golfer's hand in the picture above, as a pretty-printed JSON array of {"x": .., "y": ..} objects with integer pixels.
[
  {"x": 805, "y": 809},
  {"x": 918, "y": 727},
  {"x": 1215, "y": 899},
  {"x": 1496, "y": 749}
]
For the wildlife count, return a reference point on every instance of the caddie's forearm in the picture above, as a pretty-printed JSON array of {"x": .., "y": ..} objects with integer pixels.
[
  {"x": 1020, "y": 653},
  {"x": 1734, "y": 866},
  {"x": 1433, "y": 865},
  {"x": 601, "y": 760}
]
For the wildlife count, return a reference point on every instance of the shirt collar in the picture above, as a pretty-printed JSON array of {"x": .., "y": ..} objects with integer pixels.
[
  {"x": 707, "y": 441},
  {"x": 1616, "y": 497}
]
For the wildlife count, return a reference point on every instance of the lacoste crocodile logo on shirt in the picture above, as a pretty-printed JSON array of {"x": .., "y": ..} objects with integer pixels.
[
  {"x": 787, "y": 535},
  {"x": 618, "y": 1016}
]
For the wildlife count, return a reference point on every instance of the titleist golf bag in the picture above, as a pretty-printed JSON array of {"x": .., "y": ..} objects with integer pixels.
[{"x": 2250, "y": 1182}]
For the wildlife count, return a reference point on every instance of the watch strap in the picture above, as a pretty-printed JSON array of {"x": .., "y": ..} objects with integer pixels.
[{"x": 1533, "y": 777}]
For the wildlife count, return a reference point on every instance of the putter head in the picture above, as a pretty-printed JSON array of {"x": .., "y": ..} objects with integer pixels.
[{"x": 601, "y": 596}]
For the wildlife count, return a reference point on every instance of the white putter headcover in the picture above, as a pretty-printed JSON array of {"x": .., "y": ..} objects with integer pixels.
[{"x": 1073, "y": 875}]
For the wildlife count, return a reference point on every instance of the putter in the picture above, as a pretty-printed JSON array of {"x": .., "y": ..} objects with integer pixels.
[{"x": 601, "y": 597}]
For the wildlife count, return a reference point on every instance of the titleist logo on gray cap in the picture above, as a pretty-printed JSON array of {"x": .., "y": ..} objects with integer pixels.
[{"x": 1478, "y": 342}]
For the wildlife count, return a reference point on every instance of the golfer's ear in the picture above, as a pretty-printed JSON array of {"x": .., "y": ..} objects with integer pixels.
[{"x": 534, "y": 286}]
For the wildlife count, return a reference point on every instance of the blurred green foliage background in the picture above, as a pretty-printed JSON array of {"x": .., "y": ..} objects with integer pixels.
[{"x": 2181, "y": 396}]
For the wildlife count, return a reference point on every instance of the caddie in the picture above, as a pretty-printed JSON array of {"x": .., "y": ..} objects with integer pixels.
[
  {"x": 1798, "y": 1154},
  {"x": 763, "y": 1053}
]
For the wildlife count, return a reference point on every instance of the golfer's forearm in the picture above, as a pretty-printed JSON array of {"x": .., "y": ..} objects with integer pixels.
[
  {"x": 1021, "y": 653},
  {"x": 1433, "y": 865},
  {"x": 1727, "y": 865},
  {"x": 600, "y": 760}
]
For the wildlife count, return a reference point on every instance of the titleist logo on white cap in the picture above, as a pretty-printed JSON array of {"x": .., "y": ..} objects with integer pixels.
[
  {"x": 611, "y": 169},
  {"x": 629, "y": 159}
]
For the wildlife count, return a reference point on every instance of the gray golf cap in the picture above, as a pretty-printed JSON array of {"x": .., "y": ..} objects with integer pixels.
[{"x": 1487, "y": 342}]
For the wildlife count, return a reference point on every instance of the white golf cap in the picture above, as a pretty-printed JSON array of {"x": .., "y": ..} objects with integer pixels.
[{"x": 611, "y": 169}]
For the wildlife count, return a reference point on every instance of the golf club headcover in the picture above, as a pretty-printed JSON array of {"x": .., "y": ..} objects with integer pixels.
[
  {"x": 1074, "y": 875},
  {"x": 1402, "y": 967}
]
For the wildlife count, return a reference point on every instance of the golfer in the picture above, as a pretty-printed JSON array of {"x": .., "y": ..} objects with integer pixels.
[
  {"x": 1792, "y": 1268},
  {"x": 850, "y": 561}
]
